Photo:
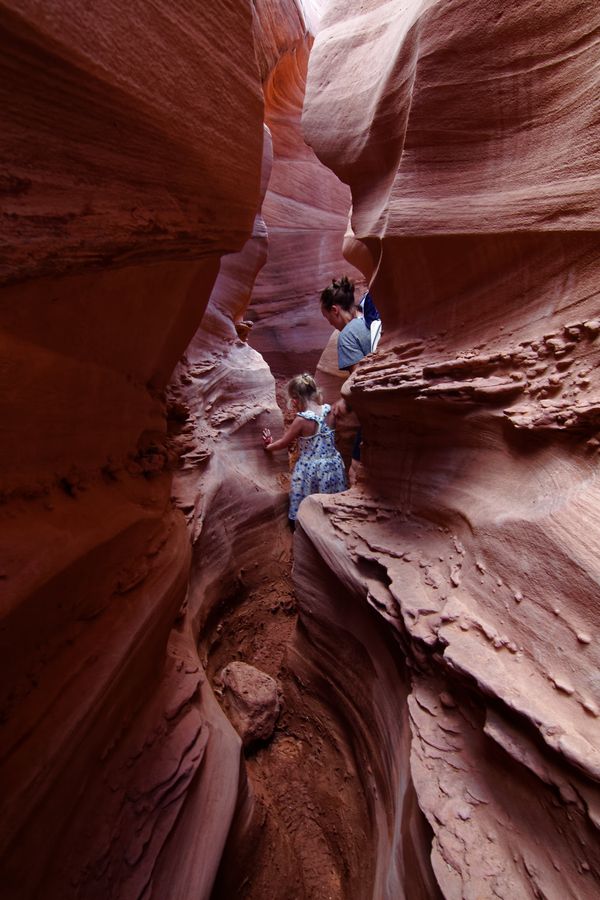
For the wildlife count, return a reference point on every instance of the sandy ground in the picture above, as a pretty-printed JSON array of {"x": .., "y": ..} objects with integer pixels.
[{"x": 307, "y": 839}]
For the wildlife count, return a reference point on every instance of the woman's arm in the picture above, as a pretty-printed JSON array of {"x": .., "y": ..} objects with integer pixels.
[{"x": 290, "y": 435}]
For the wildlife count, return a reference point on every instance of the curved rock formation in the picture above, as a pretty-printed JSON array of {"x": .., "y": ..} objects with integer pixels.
[
  {"x": 366, "y": 689},
  {"x": 306, "y": 211},
  {"x": 108, "y": 134},
  {"x": 115, "y": 212},
  {"x": 472, "y": 160},
  {"x": 121, "y": 776},
  {"x": 444, "y": 664}
]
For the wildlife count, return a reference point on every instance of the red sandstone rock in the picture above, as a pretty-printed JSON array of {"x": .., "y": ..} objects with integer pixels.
[
  {"x": 109, "y": 131},
  {"x": 235, "y": 502},
  {"x": 253, "y": 701},
  {"x": 475, "y": 217},
  {"x": 123, "y": 184},
  {"x": 306, "y": 212},
  {"x": 465, "y": 564}
]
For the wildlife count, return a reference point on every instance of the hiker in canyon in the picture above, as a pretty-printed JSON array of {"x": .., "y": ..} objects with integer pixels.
[
  {"x": 355, "y": 340},
  {"x": 319, "y": 468},
  {"x": 340, "y": 310}
]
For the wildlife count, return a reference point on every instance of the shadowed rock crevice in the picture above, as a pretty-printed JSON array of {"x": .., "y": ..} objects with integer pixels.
[
  {"x": 321, "y": 795},
  {"x": 440, "y": 728}
]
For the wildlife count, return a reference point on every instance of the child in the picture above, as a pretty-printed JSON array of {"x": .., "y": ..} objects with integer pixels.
[{"x": 320, "y": 468}]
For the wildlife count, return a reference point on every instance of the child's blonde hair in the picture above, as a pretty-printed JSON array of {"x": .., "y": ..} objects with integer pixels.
[{"x": 303, "y": 388}]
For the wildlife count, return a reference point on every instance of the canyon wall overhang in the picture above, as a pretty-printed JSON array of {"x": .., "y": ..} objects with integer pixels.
[
  {"x": 468, "y": 135},
  {"x": 132, "y": 144}
]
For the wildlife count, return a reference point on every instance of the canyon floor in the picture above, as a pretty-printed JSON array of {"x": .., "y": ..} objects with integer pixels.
[{"x": 309, "y": 806}]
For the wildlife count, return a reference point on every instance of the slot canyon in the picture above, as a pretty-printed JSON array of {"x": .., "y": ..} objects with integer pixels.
[{"x": 400, "y": 698}]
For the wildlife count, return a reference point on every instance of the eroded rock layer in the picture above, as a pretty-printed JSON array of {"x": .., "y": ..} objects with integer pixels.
[
  {"x": 134, "y": 159},
  {"x": 472, "y": 160},
  {"x": 306, "y": 212},
  {"x": 116, "y": 209},
  {"x": 447, "y": 604},
  {"x": 104, "y": 140}
]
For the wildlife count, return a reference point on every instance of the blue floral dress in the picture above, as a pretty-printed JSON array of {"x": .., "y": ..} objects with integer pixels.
[{"x": 320, "y": 468}]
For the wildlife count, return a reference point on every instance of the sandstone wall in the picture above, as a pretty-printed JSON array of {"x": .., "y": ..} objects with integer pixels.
[
  {"x": 115, "y": 212},
  {"x": 135, "y": 159},
  {"x": 306, "y": 211},
  {"x": 468, "y": 136},
  {"x": 462, "y": 573}
]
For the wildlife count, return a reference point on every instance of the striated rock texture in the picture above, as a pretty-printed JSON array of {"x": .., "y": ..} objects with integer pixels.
[
  {"x": 306, "y": 211},
  {"x": 234, "y": 498},
  {"x": 447, "y": 605},
  {"x": 104, "y": 144},
  {"x": 468, "y": 135},
  {"x": 115, "y": 211}
]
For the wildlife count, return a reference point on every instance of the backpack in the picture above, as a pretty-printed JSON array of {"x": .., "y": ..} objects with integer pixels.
[{"x": 372, "y": 319}]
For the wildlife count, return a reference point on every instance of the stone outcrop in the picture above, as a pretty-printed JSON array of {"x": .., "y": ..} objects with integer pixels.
[
  {"x": 306, "y": 212},
  {"x": 472, "y": 160},
  {"x": 115, "y": 212}
]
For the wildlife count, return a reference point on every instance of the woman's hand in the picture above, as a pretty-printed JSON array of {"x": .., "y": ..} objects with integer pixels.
[
  {"x": 267, "y": 437},
  {"x": 341, "y": 407}
]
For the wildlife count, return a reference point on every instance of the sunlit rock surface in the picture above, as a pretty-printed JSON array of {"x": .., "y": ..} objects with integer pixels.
[
  {"x": 468, "y": 135},
  {"x": 306, "y": 212}
]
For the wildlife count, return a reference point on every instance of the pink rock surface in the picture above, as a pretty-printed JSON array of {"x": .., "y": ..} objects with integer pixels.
[
  {"x": 367, "y": 685},
  {"x": 234, "y": 499},
  {"x": 306, "y": 212},
  {"x": 253, "y": 701},
  {"x": 116, "y": 210},
  {"x": 117, "y": 168},
  {"x": 448, "y": 603},
  {"x": 476, "y": 517}
]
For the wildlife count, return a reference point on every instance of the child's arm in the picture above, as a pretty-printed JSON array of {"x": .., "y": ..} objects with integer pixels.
[{"x": 290, "y": 435}]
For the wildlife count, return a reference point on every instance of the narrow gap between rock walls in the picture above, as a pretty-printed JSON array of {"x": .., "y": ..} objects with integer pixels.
[{"x": 296, "y": 845}]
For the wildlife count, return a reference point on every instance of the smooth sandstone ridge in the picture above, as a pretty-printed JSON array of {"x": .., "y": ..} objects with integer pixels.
[
  {"x": 306, "y": 212},
  {"x": 116, "y": 209},
  {"x": 131, "y": 512},
  {"x": 468, "y": 135}
]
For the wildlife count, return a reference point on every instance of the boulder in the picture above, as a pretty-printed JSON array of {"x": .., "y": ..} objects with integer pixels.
[{"x": 252, "y": 699}]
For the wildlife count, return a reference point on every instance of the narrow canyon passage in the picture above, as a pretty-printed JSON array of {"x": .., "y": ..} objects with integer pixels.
[
  {"x": 178, "y": 184},
  {"x": 310, "y": 833},
  {"x": 323, "y": 804},
  {"x": 320, "y": 784},
  {"x": 309, "y": 836}
]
